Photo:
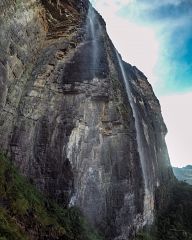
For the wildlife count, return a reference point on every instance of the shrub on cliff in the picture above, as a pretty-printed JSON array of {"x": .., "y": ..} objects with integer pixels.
[
  {"x": 173, "y": 223},
  {"x": 26, "y": 214},
  {"x": 176, "y": 221}
]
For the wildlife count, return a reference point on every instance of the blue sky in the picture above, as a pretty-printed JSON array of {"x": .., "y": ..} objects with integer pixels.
[{"x": 156, "y": 36}]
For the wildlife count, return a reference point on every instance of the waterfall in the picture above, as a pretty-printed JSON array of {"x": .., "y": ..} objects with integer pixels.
[
  {"x": 148, "y": 198},
  {"x": 93, "y": 37}
]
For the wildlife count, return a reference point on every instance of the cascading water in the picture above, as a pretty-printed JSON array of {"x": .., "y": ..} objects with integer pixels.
[
  {"x": 91, "y": 28},
  {"x": 148, "y": 198}
]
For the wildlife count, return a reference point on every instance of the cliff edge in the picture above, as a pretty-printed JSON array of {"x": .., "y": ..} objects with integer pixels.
[{"x": 81, "y": 124}]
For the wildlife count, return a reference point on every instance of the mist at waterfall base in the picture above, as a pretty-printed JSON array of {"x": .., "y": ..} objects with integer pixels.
[{"x": 157, "y": 38}]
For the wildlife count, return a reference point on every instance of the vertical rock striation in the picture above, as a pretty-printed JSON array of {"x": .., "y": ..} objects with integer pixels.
[{"x": 66, "y": 120}]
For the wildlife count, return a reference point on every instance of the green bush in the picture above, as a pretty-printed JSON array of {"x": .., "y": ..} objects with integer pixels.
[
  {"x": 175, "y": 222},
  {"x": 25, "y": 209},
  {"x": 145, "y": 236}
]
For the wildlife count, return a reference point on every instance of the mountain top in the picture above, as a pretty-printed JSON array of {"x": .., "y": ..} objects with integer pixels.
[{"x": 184, "y": 173}]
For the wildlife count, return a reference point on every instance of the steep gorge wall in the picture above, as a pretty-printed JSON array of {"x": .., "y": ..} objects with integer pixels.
[
  {"x": 22, "y": 32},
  {"x": 65, "y": 117}
]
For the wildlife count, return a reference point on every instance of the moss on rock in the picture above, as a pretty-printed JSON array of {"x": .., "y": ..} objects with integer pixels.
[
  {"x": 27, "y": 214},
  {"x": 175, "y": 221}
]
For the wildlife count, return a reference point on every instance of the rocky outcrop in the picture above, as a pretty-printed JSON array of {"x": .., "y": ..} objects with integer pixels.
[{"x": 66, "y": 120}]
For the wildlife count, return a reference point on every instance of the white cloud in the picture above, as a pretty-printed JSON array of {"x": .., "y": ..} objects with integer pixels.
[
  {"x": 110, "y": 7},
  {"x": 177, "y": 113},
  {"x": 137, "y": 44}
]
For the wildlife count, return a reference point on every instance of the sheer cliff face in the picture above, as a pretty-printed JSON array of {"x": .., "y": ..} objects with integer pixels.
[{"x": 66, "y": 120}]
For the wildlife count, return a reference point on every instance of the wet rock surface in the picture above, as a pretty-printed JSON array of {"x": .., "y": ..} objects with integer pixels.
[{"x": 65, "y": 119}]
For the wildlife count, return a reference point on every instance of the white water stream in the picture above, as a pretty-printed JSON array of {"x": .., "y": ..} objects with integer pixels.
[
  {"x": 94, "y": 41},
  {"x": 148, "y": 198}
]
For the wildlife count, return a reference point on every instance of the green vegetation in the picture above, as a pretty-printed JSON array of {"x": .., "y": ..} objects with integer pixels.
[
  {"x": 145, "y": 236},
  {"x": 175, "y": 222},
  {"x": 24, "y": 212}
]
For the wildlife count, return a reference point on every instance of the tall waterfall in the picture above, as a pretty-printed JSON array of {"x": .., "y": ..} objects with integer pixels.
[
  {"x": 148, "y": 198},
  {"x": 91, "y": 24}
]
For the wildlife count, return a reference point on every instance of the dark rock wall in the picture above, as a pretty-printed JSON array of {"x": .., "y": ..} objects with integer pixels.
[
  {"x": 22, "y": 31},
  {"x": 65, "y": 118},
  {"x": 153, "y": 127}
]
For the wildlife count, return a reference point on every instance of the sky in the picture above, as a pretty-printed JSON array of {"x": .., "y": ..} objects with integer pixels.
[{"x": 156, "y": 36}]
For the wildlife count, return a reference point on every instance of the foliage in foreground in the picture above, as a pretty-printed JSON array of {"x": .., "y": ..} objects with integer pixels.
[
  {"x": 26, "y": 214},
  {"x": 175, "y": 223}
]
